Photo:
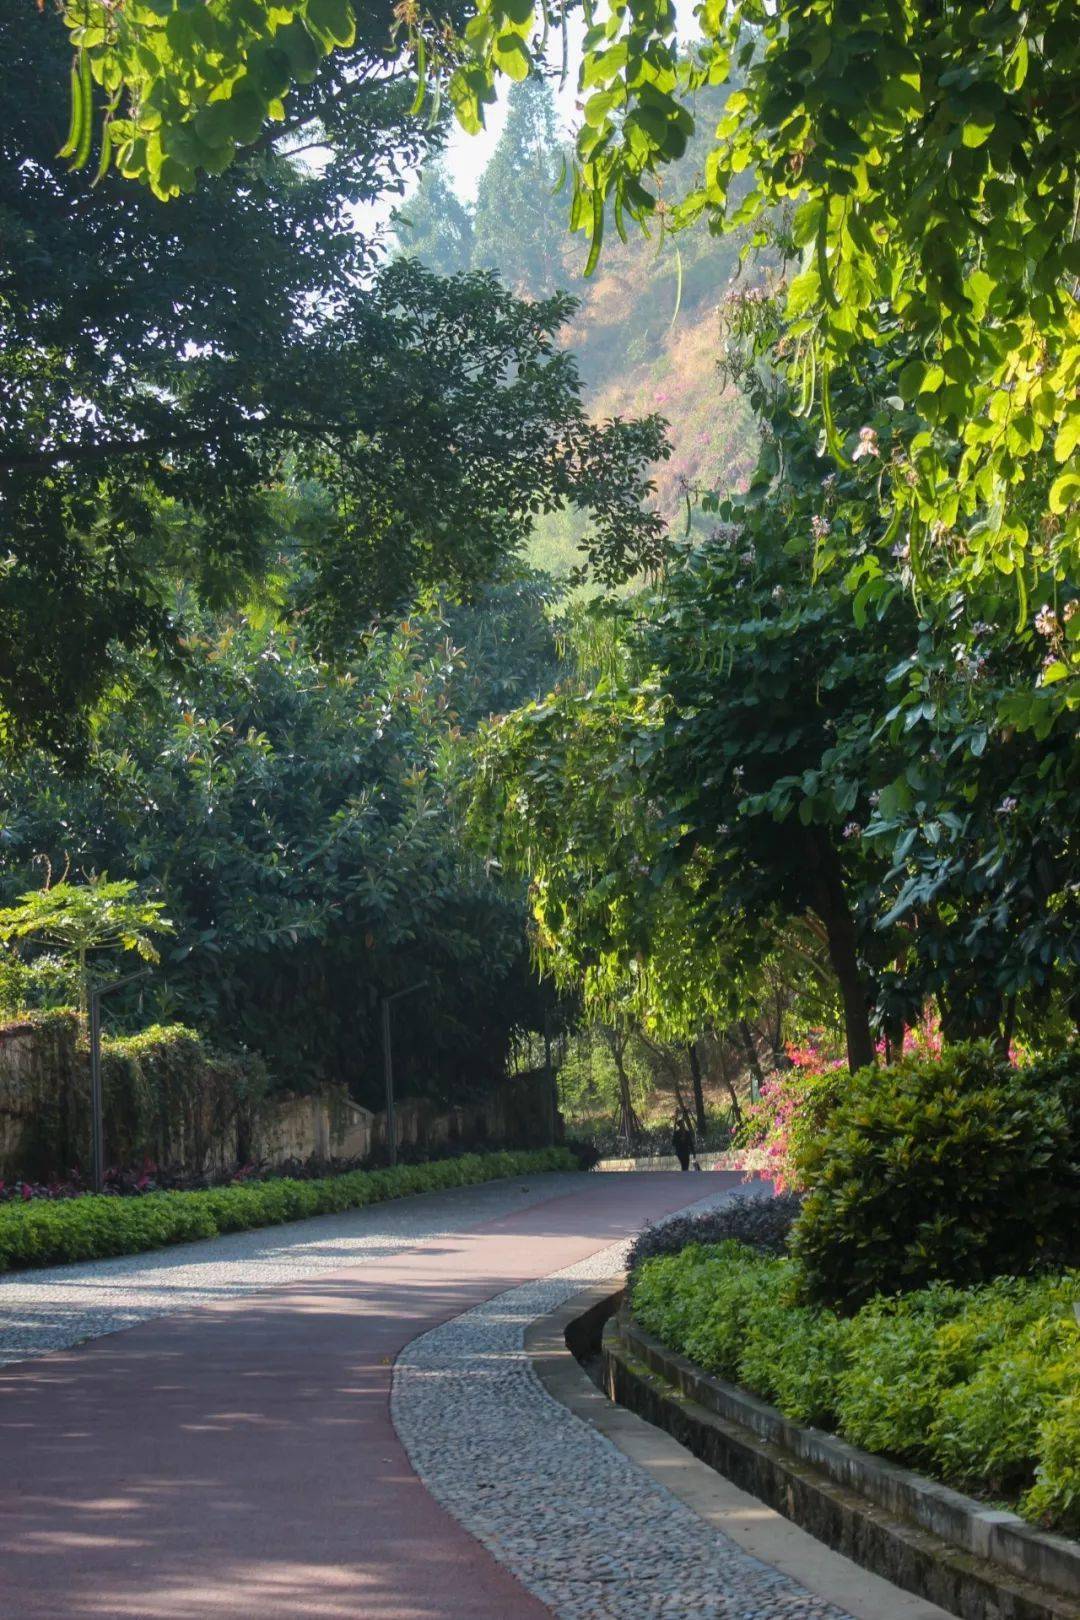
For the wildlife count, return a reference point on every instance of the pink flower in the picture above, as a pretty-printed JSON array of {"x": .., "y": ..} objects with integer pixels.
[{"x": 867, "y": 445}]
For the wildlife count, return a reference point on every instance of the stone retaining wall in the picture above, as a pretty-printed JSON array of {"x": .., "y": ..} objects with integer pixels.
[
  {"x": 977, "y": 1562},
  {"x": 210, "y": 1117}
]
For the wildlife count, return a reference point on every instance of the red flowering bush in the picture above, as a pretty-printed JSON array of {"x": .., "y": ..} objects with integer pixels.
[
  {"x": 794, "y": 1106},
  {"x": 791, "y": 1106}
]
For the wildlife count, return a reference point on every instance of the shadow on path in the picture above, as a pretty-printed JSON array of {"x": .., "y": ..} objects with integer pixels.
[{"x": 239, "y": 1459}]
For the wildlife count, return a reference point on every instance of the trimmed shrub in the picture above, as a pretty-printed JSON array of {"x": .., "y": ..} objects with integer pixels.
[
  {"x": 47, "y": 1232},
  {"x": 957, "y": 1169},
  {"x": 976, "y": 1386},
  {"x": 759, "y": 1220}
]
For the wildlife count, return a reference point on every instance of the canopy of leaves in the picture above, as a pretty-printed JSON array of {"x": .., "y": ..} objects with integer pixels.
[
  {"x": 747, "y": 762},
  {"x": 930, "y": 158},
  {"x": 165, "y": 369},
  {"x": 92, "y": 916}
]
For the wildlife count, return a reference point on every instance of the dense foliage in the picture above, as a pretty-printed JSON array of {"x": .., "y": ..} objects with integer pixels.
[
  {"x": 172, "y": 1103},
  {"x": 975, "y": 1385},
  {"x": 973, "y": 266},
  {"x": 299, "y": 822},
  {"x": 755, "y": 760},
  {"x": 759, "y": 1221},
  {"x": 167, "y": 371},
  {"x": 43, "y": 1232}
]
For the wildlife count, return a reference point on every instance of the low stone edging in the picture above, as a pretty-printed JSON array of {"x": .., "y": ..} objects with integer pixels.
[
  {"x": 746, "y": 1160},
  {"x": 979, "y": 1563}
]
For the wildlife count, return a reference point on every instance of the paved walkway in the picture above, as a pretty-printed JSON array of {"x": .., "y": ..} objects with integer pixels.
[{"x": 238, "y": 1458}]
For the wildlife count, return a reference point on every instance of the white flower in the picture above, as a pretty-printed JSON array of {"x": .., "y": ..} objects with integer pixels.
[
  {"x": 1071, "y": 609},
  {"x": 1046, "y": 621},
  {"x": 1007, "y": 806},
  {"x": 853, "y": 830},
  {"x": 821, "y": 527}
]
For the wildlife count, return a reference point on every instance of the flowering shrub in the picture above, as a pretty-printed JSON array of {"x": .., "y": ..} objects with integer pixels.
[{"x": 793, "y": 1105}]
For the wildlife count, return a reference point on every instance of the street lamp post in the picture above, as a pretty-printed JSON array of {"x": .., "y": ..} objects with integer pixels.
[
  {"x": 388, "y": 1066},
  {"x": 97, "y": 1107}
]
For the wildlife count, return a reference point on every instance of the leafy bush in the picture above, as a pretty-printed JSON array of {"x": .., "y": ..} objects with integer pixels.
[
  {"x": 44, "y": 1232},
  {"x": 47, "y": 980},
  {"x": 958, "y": 1169},
  {"x": 976, "y": 1385},
  {"x": 1055, "y": 1495},
  {"x": 760, "y": 1221}
]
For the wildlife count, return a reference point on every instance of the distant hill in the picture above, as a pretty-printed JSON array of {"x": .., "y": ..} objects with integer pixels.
[{"x": 646, "y": 334}]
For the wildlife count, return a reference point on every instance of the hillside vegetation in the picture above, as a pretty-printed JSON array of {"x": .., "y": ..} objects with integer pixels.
[{"x": 645, "y": 335}]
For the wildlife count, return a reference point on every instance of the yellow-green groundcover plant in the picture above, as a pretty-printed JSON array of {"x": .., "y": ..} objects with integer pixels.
[{"x": 976, "y": 1386}]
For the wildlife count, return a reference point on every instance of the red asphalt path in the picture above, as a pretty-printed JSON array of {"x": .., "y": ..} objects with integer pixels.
[{"x": 239, "y": 1460}]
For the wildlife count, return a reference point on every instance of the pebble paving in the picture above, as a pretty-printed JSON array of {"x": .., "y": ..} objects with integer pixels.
[
  {"x": 61, "y": 1306},
  {"x": 585, "y": 1529}
]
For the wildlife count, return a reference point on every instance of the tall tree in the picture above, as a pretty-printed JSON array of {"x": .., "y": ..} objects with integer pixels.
[
  {"x": 434, "y": 225},
  {"x": 300, "y": 823},
  {"x": 520, "y": 228},
  {"x": 166, "y": 368}
]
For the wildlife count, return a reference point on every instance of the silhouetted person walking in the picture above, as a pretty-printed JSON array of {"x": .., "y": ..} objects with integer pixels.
[{"x": 683, "y": 1140}]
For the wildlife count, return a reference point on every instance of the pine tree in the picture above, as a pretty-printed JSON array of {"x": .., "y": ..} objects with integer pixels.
[
  {"x": 521, "y": 222},
  {"x": 434, "y": 225}
]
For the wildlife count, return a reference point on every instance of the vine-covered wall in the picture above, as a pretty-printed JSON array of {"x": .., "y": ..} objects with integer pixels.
[
  {"x": 189, "y": 1109},
  {"x": 168, "y": 1098}
]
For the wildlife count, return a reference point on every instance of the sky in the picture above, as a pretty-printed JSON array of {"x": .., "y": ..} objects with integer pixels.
[{"x": 467, "y": 155}]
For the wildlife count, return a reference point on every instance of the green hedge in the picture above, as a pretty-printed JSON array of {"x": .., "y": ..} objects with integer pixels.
[
  {"x": 45, "y": 1232},
  {"x": 977, "y": 1386},
  {"x": 959, "y": 1169}
]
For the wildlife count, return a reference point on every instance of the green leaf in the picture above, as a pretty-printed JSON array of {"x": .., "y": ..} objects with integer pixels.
[
  {"x": 333, "y": 21},
  {"x": 511, "y": 55},
  {"x": 1068, "y": 437},
  {"x": 1064, "y": 491}
]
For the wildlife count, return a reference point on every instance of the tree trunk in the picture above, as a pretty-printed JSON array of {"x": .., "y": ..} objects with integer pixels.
[
  {"x": 830, "y": 901},
  {"x": 736, "y": 1106},
  {"x": 628, "y": 1120},
  {"x": 699, "y": 1095},
  {"x": 758, "y": 1078}
]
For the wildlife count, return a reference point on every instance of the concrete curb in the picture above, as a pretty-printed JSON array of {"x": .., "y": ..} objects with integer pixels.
[
  {"x": 745, "y": 1161},
  {"x": 976, "y": 1563},
  {"x": 576, "y": 1327}
]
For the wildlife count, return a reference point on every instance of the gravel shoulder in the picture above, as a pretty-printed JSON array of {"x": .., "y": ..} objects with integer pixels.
[
  {"x": 61, "y": 1306},
  {"x": 581, "y": 1526}
]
